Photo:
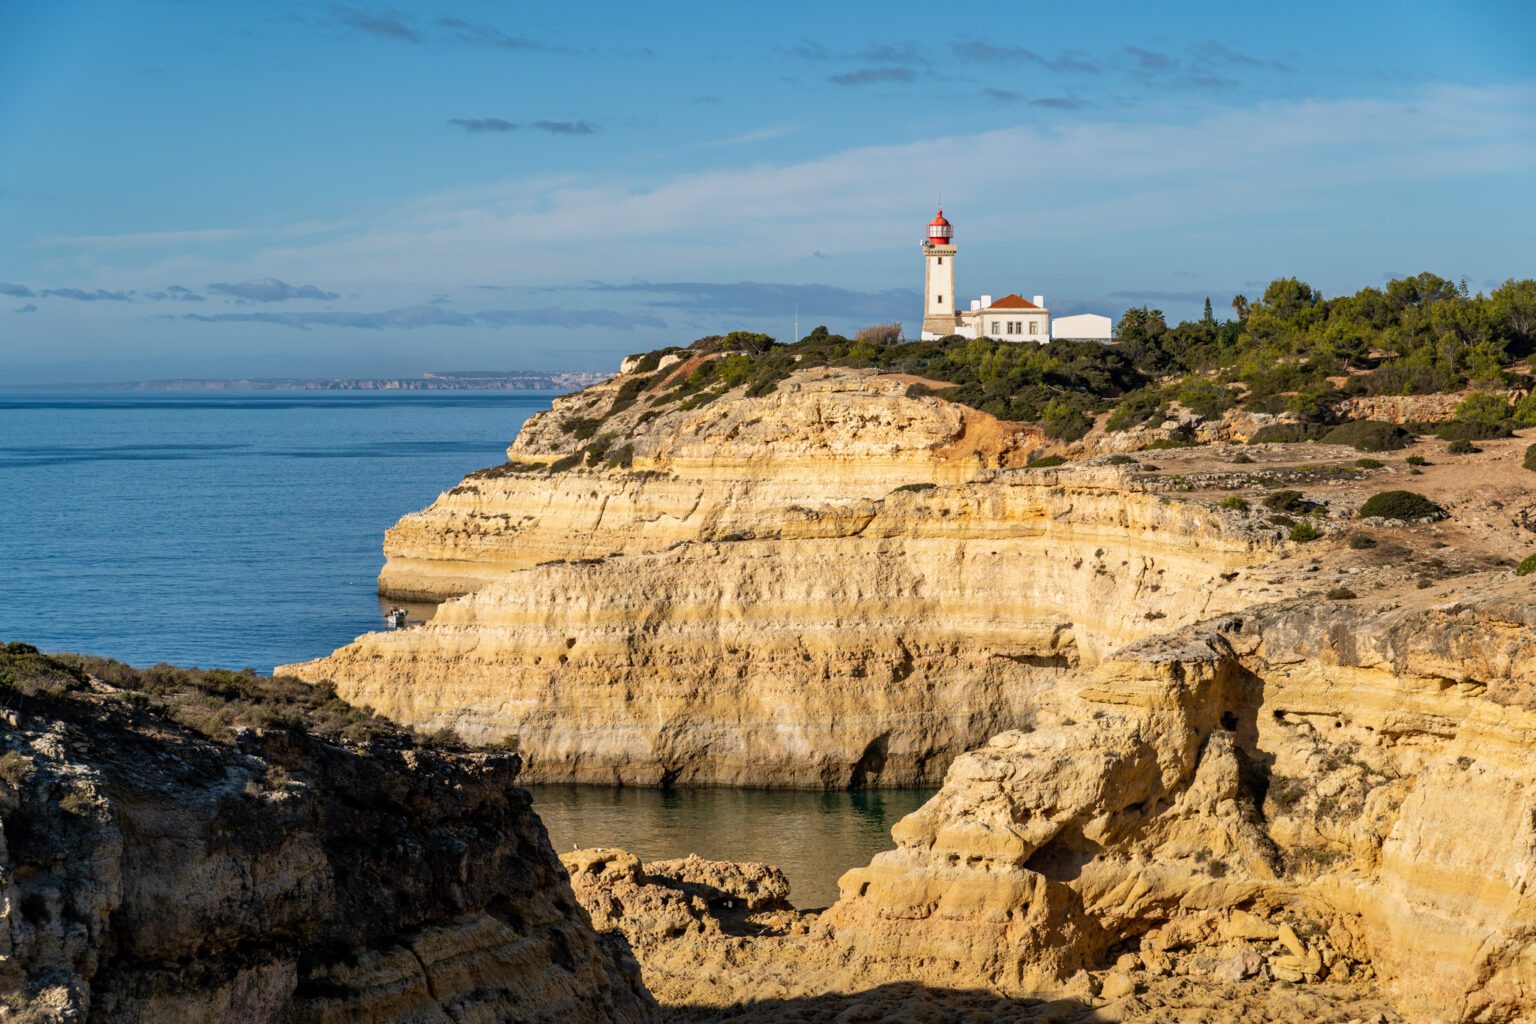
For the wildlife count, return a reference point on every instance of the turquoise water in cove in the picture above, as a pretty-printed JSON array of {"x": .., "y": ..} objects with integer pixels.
[
  {"x": 221, "y": 529},
  {"x": 812, "y": 837}
]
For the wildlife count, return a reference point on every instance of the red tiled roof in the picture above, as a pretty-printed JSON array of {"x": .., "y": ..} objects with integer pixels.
[{"x": 1013, "y": 302}]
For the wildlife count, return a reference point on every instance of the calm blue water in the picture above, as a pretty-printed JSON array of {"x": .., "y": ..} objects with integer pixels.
[{"x": 226, "y": 529}]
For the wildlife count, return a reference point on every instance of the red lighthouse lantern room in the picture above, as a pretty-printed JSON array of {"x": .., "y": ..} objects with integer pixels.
[{"x": 939, "y": 231}]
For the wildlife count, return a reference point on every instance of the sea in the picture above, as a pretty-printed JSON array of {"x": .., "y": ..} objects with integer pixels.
[
  {"x": 244, "y": 529},
  {"x": 221, "y": 529}
]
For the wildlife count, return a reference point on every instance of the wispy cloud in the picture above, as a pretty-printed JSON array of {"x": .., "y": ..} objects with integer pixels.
[
  {"x": 868, "y": 76},
  {"x": 1058, "y": 103},
  {"x": 758, "y": 298},
  {"x": 432, "y": 315},
  {"x": 745, "y": 138},
  {"x": 1106, "y": 176},
  {"x": 1002, "y": 95},
  {"x": 20, "y": 291},
  {"x": 481, "y": 125},
  {"x": 1215, "y": 52},
  {"x": 374, "y": 23},
  {"x": 1151, "y": 60},
  {"x": 81, "y": 295},
  {"x": 30, "y": 307},
  {"x": 979, "y": 51},
  {"x": 475, "y": 34},
  {"x": 1153, "y": 295},
  {"x": 270, "y": 289}
]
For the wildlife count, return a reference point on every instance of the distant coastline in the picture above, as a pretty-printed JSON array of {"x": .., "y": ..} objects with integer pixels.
[{"x": 462, "y": 380}]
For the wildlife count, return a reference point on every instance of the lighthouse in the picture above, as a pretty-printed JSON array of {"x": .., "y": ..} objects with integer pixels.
[
  {"x": 1010, "y": 318},
  {"x": 939, "y": 278}
]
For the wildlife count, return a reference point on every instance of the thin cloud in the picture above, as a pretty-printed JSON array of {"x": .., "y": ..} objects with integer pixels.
[
  {"x": 374, "y": 23},
  {"x": 880, "y": 53},
  {"x": 81, "y": 295},
  {"x": 20, "y": 291},
  {"x": 1002, "y": 95},
  {"x": 1160, "y": 296},
  {"x": 979, "y": 51},
  {"x": 483, "y": 125},
  {"x": 1058, "y": 103},
  {"x": 1151, "y": 60},
  {"x": 1213, "y": 51},
  {"x": 175, "y": 293},
  {"x": 868, "y": 76},
  {"x": 745, "y": 138},
  {"x": 270, "y": 289},
  {"x": 430, "y": 315},
  {"x": 613, "y": 320},
  {"x": 758, "y": 298},
  {"x": 30, "y": 307},
  {"x": 475, "y": 34}
]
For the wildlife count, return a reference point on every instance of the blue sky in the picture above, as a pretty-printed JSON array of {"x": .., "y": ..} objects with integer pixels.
[{"x": 218, "y": 189}]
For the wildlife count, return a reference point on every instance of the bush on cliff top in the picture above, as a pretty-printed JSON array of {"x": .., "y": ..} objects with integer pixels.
[
  {"x": 213, "y": 702},
  {"x": 1369, "y": 436},
  {"x": 1400, "y": 505},
  {"x": 1530, "y": 458},
  {"x": 1526, "y": 566}
]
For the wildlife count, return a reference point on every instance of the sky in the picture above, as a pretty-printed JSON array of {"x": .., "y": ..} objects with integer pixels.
[{"x": 222, "y": 189}]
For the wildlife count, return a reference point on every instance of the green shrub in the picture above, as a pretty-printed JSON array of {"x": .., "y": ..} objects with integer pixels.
[
  {"x": 1361, "y": 541},
  {"x": 1484, "y": 407},
  {"x": 1400, "y": 505},
  {"x": 1416, "y": 460},
  {"x": 1530, "y": 458},
  {"x": 913, "y": 488},
  {"x": 1165, "y": 443},
  {"x": 1527, "y": 566},
  {"x": 1234, "y": 503},
  {"x": 15, "y": 767},
  {"x": 1369, "y": 463},
  {"x": 1285, "y": 433},
  {"x": 1287, "y": 501},
  {"x": 1471, "y": 430},
  {"x": 581, "y": 427},
  {"x": 1462, "y": 447},
  {"x": 1242, "y": 459},
  {"x": 1303, "y": 532},
  {"x": 1121, "y": 460},
  {"x": 1342, "y": 594},
  {"x": 1369, "y": 436},
  {"x": 1045, "y": 462}
]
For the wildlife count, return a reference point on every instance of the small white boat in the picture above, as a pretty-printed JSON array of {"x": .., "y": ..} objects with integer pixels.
[{"x": 394, "y": 618}]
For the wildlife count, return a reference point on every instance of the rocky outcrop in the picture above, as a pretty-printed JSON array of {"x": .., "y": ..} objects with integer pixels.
[
  {"x": 847, "y": 644},
  {"x": 148, "y": 874},
  {"x": 726, "y": 469},
  {"x": 1311, "y": 792}
]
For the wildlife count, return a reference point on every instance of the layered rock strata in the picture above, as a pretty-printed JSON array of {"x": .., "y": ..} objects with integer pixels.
[
  {"x": 149, "y": 875},
  {"x": 730, "y": 468},
  {"x": 855, "y": 643},
  {"x": 1311, "y": 792}
]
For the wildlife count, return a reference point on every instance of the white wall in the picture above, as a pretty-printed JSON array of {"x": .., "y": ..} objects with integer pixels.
[{"x": 1082, "y": 327}]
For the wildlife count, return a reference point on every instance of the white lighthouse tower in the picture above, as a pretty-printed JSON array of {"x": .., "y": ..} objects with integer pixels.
[{"x": 939, "y": 279}]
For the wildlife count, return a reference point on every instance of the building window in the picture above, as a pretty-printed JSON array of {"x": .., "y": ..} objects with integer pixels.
[
  {"x": 996, "y": 327},
  {"x": 940, "y": 300},
  {"x": 1034, "y": 327},
  {"x": 1013, "y": 327},
  {"x": 941, "y": 261}
]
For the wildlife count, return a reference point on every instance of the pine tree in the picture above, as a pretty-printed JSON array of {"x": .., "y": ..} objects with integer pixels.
[{"x": 1209, "y": 317}]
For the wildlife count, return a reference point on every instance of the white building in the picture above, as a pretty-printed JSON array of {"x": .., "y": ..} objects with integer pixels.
[
  {"x": 1010, "y": 318},
  {"x": 1082, "y": 327}
]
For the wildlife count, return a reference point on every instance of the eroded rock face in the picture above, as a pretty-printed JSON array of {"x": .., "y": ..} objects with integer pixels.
[
  {"x": 858, "y": 644},
  {"x": 1313, "y": 792},
  {"x": 826, "y": 438},
  {"x": 148, "y": 875}
]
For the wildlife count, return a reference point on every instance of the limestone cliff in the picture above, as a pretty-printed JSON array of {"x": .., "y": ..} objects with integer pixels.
[
  {"x": 1311, "y": 791},
  {"x": 633, "y": 481},
  {"x": 854, "y": 642},
  {"x": 150, "y": 874}
]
